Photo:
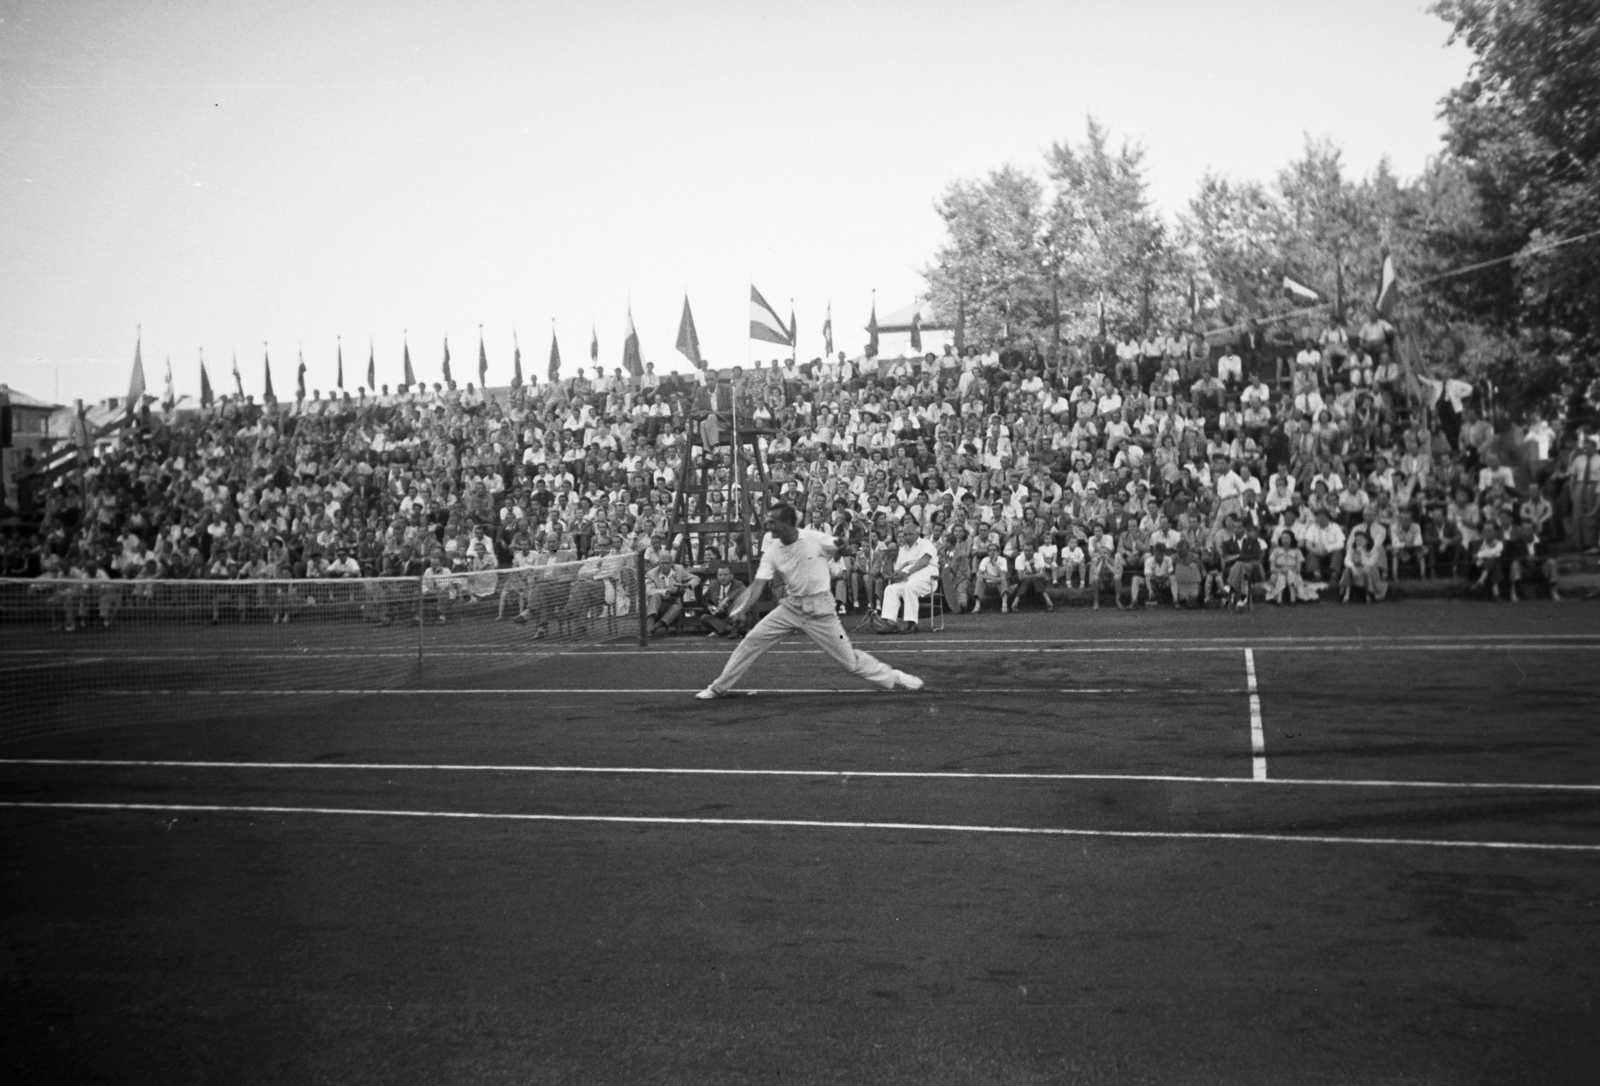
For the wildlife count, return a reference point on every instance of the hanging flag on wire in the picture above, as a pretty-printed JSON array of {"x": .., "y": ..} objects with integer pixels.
[
  {"x": 1293, "y": 288},
  {"x": 632, "y": 360},
  {"x": 372, "y": 366},
  {"x": 688, "y": 339},
  {"x": 483, "y": 361},
  {"x": 170, "y": 400},
  {"x": 339, "y": 348},
  {"x": 1388, "y": 287},
  {"x": 872, "y": 329},
  {"x": 136, "y": 379},
  {"x": 447, "y": 378},
  {"x": 827, "y": 331},
  {"x": 516, "y": 361},
  {"x": 765, "y": 324},
  {"x": 206, "y": 396},
  {"x": 267, "y": 395},
  {"x": 555, "y": 355},
  {"x": 410, "y": 376}
]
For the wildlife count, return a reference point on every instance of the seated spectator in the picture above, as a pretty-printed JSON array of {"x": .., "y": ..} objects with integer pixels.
[
  {"x": 1032, "y": 577},
  {"x": 719, "y": 598},
  {"x": 1156, "y": 579},
  {"x": 1248, "y": 567},
  {"x": 1286, "y": 562},
  {"x": 1363, "y": 568},
  {"x": 993, "y": 579},
  {"x": 666, "y": 588}
]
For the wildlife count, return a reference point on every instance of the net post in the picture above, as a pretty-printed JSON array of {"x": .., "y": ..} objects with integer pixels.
[
  {"x": 422, "y": 625},
  {"x": 638, "y": 600}
]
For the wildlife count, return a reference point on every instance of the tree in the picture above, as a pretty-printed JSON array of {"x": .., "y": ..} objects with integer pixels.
[
  {"x": 1525, "y": 127},
  {"x": 990, "y": 269}
]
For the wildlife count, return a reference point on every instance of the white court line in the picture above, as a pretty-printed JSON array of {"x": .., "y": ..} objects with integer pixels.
[
  {"x": 881, "y": 650},
  {"x": 618, "y": 691},
  {"x": 891, "y": 774},
  {"x": 919, "y": 827},
  {"x": 1258, "y": 741}
]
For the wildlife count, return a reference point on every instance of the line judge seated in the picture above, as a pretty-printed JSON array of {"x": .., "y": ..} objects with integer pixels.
[{"x": 915, "y": 569}]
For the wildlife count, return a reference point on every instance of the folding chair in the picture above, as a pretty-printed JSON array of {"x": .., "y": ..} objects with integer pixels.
[{"x": 934, "y": 601}]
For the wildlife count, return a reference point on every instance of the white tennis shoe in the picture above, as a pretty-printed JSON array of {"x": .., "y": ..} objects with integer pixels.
[{"x": 711, "y": 693}]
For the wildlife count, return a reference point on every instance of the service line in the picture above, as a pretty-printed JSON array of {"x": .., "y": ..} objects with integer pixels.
[{"x": 840, "y": 774}]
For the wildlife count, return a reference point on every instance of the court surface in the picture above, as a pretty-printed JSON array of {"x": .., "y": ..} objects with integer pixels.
[{"x": 1341, "y": 845}]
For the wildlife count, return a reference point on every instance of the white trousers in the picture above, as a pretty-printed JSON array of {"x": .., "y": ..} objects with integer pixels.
[
  {"x": 901, "y": 598},
  {"x": 815, "y": 617}
]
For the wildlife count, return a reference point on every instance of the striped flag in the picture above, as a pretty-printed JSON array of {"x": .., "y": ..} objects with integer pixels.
[
  {"x": 688, "y": 339},
  {"x": 765, "y": 324},
  {"x": 827, "y": 331},
  {"x": 1388, "y": 287},
  {"x": 1297, "y": 290},
  {"x": 483, "y": 361},
  {"x": 632, "y": 360}
]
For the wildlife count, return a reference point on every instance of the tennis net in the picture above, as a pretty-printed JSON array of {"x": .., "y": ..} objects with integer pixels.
[{"x": 88, "y": 653}]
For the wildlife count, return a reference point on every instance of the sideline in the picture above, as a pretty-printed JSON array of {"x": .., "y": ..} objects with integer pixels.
[
  {"x": 780, "y": 823},
  {"x": 1258, "y": 741}
]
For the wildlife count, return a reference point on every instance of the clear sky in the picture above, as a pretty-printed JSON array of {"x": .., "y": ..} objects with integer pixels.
[{"x": 230, "y": 175}]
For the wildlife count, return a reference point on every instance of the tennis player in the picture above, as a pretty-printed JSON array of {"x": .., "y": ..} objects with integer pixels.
[{"x": 801, "y": 556}]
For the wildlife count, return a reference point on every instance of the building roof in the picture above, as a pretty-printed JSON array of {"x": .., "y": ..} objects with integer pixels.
[
  {"x": 900, "y": 319},
  {"x": 22, "y": 399}
]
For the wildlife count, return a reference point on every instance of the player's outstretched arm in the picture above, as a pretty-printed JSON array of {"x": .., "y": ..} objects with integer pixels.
[{"x": 748, "y": 599}]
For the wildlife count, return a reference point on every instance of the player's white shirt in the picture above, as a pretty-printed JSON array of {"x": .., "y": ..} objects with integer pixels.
[{"x": 803, "y": 563}]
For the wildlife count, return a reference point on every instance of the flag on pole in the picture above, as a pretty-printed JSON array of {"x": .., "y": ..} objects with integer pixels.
[
  {"x": 632, "y": 360},
  {"x": 411, "y": 378},
  {"x": 206, "y": 396},
  {"x": 794, "y": 333},
  {"x": 765, "y": 324},
  {"x": 170, "y": 400},
  {"x": 372, "y": 366},
  {"x": 1102, "y": 314},
  {"x": 447, "y": 378},
  {"x": 300, "y": 378},
  {"x": 1388, "y": 287},
  {"x": 872, "y": 329},
  {"x": 238, "y": 382},
  {"x": 555, "y": 355},
  {"x": 136, "y": 379},
  {"x": 483, "y": 361},
  {"x": 339, "y": 341},
  {"x": 1293, "y": 288},
  {"x": 688, "y": 339},
  {"x": 827, "y": 331},
  {"x": 267, "y": 395},
  {"x": 594, "y": 345},
  {"x": 516, "y": 361},
  {"x": 916, "y": 329}
]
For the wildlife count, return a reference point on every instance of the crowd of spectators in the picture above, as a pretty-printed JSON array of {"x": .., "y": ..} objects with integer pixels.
[{"x": 1162, "y": 469}]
